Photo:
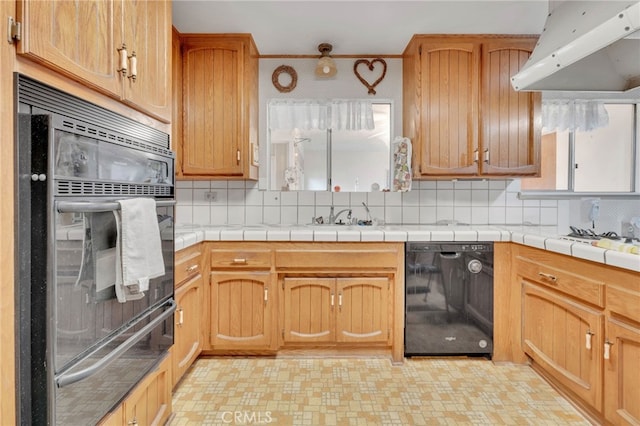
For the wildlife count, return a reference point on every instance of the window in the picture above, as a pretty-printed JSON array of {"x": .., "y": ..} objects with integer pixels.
[
  {"x": 337, "y": 145},
  {"x": 603, "y": 160}
]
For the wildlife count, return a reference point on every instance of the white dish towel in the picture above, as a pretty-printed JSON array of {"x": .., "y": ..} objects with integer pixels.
[{"x": 138, "y": 248}]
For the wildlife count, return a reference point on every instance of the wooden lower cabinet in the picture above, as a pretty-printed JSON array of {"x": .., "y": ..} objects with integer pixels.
[
  {"x": 149, "y": 403},
  {"x": 241, "y": 310},
  {"x": 188, "y": 334},
  {"x": 363, "y": 310},
  {"x": 566, "y": 339},
  {"x": 580, "y": 325},
  {"x": 622, "y": 373},
  {"x": 309, "y": 310},
  {"x": 331, "y": 310}
]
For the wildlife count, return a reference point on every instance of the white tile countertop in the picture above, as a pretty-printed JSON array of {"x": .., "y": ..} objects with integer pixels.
[{"x": 543, "y": 237}]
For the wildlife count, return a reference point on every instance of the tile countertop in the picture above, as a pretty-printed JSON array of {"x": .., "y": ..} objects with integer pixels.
[{"x": 543, "y": 237}]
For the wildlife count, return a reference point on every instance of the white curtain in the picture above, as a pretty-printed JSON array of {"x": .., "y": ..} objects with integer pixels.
[
  {"x": 321, "y": 115},
  {"x": 300, "y": 114},
  {"x": 573, "y": 115},
  {"x": 351, "y": 115}
]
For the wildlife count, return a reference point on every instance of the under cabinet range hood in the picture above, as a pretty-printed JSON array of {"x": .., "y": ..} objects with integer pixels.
[{"x": 586, "y": 46}]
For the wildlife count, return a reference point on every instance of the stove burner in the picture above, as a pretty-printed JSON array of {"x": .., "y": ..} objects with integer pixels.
[{"x": 589, "y": 234}]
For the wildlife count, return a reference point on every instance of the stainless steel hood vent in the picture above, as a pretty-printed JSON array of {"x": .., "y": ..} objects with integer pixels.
[{"x": 586, "y": 46}]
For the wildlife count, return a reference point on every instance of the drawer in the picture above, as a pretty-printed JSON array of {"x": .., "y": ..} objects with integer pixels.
[
  {"x": 188, "y": 263},
  {"x": 344, "y": 259},
  {"x": 563, "y": 274},
  {"x": 240, "y": 259},
  {"x": 625, "y": 299}
]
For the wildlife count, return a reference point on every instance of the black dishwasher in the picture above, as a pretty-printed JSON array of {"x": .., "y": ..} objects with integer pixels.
[{"x": 449, "y": 299}]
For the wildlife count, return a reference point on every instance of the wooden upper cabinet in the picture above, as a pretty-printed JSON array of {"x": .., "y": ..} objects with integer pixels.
[
  {"x": 220, "y": 115},
  {"x": 450, "y": 105},
  {"x": 511, "y": 121},
  {"x": 147, "y": 33},
  {"x": 77, "y": 39},
  {"x": 80, "y": 39},
  {"x": 460, "y": 111}
]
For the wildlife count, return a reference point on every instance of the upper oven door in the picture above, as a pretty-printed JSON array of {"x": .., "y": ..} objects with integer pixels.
[{"x": 83, "y": 289}]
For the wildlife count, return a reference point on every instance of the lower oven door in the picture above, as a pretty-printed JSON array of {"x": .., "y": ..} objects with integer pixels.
[{"x": 93, "y": 385}]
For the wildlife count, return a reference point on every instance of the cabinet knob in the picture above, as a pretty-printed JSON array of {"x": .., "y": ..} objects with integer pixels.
[
  {"x": 122, "y": 60},
  {"x": 607, "y": 349},
  {"x": 587, "y": 341},
  {"x": 133, "y": 61}
]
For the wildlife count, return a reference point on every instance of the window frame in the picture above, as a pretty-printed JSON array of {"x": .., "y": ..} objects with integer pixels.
[{"x": 571, "y": 193}]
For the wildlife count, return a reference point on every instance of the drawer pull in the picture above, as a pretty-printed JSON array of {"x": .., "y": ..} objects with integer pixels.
[
  {"x": 587, "y": 341},
  {"x": 239, "y": 261},
  {"x": 191, "y": 268},
  {"x": 549, "y": 277},
  {"x": 607, "y": 349}
]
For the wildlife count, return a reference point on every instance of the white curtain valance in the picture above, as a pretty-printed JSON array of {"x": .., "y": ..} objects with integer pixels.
[
  {"x": 321, "y": 115},
  {"x": 573, "y": 115}
]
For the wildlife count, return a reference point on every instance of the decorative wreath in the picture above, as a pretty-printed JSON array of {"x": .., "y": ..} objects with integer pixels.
[{"x": 275, "y": 78}]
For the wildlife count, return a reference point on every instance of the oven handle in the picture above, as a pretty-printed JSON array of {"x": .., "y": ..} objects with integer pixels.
[
  {"x": 93, "y": 207},
  {"x": 70, "y": 378}
]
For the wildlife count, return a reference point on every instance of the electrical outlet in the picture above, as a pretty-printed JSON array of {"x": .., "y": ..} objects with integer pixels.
[{"x": 211, "y": 196}]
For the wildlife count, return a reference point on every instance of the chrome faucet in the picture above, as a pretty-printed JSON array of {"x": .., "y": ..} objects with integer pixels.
[{"x": 334, "y": 217}]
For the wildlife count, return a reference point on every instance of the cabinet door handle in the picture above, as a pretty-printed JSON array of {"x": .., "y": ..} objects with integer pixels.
[
  {"x": 475, "y": 155},
  {"x": 133, "y": 61},
  {"x": 180, "y": 317},
  {"x": 486, "y": 155},
  {"x": 238, "y": 156},
  {"x": 191, "y": 268},
  {"x": 240, "y": 261},
  {"x": 332, "y": 301},
  {"x": 122, "y": 60},
  {"x": 549, "y": 277},
  {"x": 133, "y": 422},
  {"x": 340, "y": 301},
  {"x": 266, "y": 295},
  {"x": 587, "y": 339},
  {"x": 607, "y": 349}
]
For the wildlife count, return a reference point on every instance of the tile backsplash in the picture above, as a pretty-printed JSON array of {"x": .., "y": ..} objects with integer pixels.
[{"x": 477, "y": 202}]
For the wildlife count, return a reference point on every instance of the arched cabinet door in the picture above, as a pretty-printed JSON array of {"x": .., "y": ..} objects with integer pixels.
[
  {"x": 363, "y": 310},
  {"x": 309, "y": 310},
  {"x": 241, "y": 310}
]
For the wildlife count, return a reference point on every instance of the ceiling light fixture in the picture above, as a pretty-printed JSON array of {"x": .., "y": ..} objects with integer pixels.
[{"x": 326, "y": 66}]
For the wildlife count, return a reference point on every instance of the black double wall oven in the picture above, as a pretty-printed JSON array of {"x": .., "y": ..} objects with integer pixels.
[{"x": 80, "y": 349}]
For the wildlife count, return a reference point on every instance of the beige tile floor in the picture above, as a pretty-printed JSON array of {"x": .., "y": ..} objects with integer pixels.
[{"x": 348, "y": 391}]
